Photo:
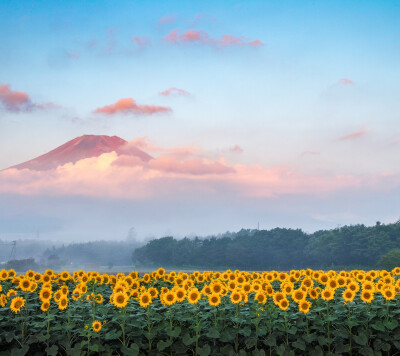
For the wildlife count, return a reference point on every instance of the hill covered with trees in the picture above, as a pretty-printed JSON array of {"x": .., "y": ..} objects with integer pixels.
[{"x": 356, "y": 246}]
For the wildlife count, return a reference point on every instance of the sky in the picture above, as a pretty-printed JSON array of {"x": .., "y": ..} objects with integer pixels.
[{"x": 282, "y": 114}]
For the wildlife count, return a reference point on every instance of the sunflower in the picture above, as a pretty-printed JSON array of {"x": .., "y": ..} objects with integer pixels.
[
  {"x": 64, "y": 290},
  {"x": 193, "y": 296},
  {"x": 236, "y": 297},
  {"x": 260, "y": 298},
  {"x": 354, "y": 286},
  {"x": 277, "y": 297},
  {"x": 332, "y": 283},
  {"x": 180, "y": 294},
  {"x": 57, "y": 296},
  {"x": 313, "y": 293},
  {"x": 389, "y": 293},
  {"x": 328, "y": 294},
  {"x": 3, "y": 275},
  {"x": 256, "y": 287},
  {"x": 368, "y": 286},
  {"x": 65, "y": 275},
  {"x": 25, "y": 284},
  {"x": 169, "y": 298},
  {"x": 367, "y": 296},
  {"x": 33, "y": 287},
  {"x": 45, "y": 306},
  {"x": 348, "y": 295},
  {"x": 283, "y": 304},
  {"x": 96, "y": 325},
  {"x": 99, "y": 298},
  {"x": 30, "y": 274},
  {"x": 298, "y": 295},
  {"x": 304, "y": 306},
  {"x": 216, "y": 287},
  {"x": 46, "y": 278},
  {"x": 206, "y": 290},
  {"x": 145, "y": 299},
  {"x": 214, "y": 299},
  {"x": 76, "y": 294},
  {"x": 11, "y": 293},
  {"x": 247, "y": 287},
  {"x": 240, "y": 280},
  {"x": 120, "y": 299},
  {"x": 3, "y": 300},
  {"x": 45, "y": 294},
  {"x": 308, "y": 282},
  {"x": 63, "y": 303},
  {"x": 16, "y": 304}
]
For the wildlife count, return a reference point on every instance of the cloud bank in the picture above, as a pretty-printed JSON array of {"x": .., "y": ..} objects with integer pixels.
[{"x": 176, "y": 171}]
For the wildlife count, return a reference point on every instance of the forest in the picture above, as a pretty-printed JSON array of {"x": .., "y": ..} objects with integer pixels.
[{"x": 355, "y": 246}]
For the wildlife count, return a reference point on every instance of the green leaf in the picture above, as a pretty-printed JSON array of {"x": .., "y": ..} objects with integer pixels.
[
  {"x": 251, "y": 342},
  {"x": 378, "y": 326},
  {"x": 366, "y": 351},
  {"x": 246, "y": 331},
  {"x": 270, "y": 340},
  {"x": 280, "y": 350},
  {"x": 20, "y": 352},
  {"x": 317, "y": 352},
  {"x": 213, "y": 333},
  {"x": 258, "y": 353},
  {"x": 94, "y": 347},
  {"x": 174, "y": 332},
  {"x": 113, "y": 335},
  {"x": 188, "y": 340},
  {"x": 133, "y": 350},
  {"x": 9, "y": 337},
  {"x": 204, "y": 350},
  {"x": 227, "y": 335},
  {"x": 52, "y": 350},
  {"x": 300, "y": 344},
  {"x": 226, "y": 350},
  {"x": 322, "y": 340},
  {"x": 292, "y": 330},
  {"x": 360, "y": 339},
  {"x": 391, "y": 324},
  {"x": 162, "y": 345}
]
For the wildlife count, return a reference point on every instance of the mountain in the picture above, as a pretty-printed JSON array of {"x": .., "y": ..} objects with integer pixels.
[{"x": 85, "y": 146}]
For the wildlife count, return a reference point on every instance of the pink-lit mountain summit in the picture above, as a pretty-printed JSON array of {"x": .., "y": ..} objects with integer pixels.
[{"x": 86, "y": 146}]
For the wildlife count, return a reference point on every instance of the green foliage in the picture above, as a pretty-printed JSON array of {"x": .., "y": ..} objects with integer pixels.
[
  {"x": 390, "y": 260},
  {"x": 346, "y": 247},
  {"x": 21, "y": 265}
]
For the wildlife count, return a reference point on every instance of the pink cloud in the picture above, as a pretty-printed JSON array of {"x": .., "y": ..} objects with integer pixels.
[
  {"x": 353, "y": 135},
  {"x": 170, "y": 18},
  {"x": 141, "y": 41},
  {"x": 171, "y": 173},
  {"x": 178, "y": 152},
  {"x": 345, "y": 81},
  {"x": 198, "y": 36},
  {"x": 121, "y": 176},
  {"x": 174, "y": 91},
  {"x": 20, "y": 101},
  {"x": 12, "y": 99},
  {"x": 128, "y": 105},
  {"x": 236, "y": 149}
]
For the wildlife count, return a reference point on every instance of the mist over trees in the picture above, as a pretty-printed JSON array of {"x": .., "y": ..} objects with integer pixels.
[{"x": 356, "y": 246}]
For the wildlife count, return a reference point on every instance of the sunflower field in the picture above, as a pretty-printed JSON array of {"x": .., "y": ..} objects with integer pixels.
[{"x": 301, "y": 312}]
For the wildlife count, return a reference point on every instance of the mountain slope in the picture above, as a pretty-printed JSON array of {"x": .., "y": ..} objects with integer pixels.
[{"x": 85, "y": 146}]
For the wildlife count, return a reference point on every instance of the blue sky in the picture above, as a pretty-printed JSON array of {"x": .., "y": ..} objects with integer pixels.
[{"x": 319, "y": 95}]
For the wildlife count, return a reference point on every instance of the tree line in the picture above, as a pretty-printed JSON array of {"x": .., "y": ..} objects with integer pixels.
[{"x": 355, "y": 246}]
